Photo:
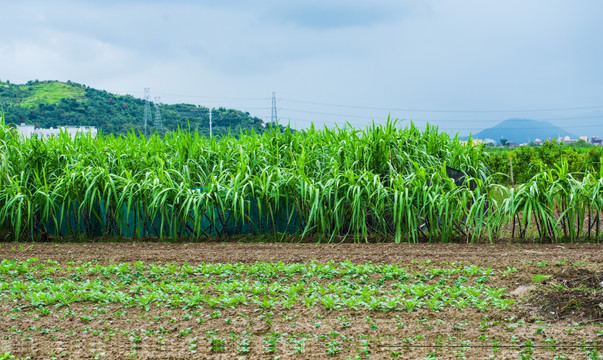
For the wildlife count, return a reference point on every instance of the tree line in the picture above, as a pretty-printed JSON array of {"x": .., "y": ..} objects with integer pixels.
[{"x": 528, "y": 161}]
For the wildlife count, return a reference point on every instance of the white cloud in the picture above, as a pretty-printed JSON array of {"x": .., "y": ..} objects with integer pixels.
[{"x": 429, "y": 54}]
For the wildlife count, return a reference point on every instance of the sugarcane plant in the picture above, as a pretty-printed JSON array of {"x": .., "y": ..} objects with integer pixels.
[{"x": 384, "y": 182}]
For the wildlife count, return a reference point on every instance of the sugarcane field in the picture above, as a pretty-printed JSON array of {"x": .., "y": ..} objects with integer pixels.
[{"x": 384, "y": 242}]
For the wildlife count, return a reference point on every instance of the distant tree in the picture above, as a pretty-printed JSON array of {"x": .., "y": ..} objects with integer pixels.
[
  {"x": 504, "y": 142},
  {"x": 580, "y": 144}
]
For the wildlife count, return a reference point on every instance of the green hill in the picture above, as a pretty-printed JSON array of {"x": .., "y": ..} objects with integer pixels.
[{"x": 55, "y": 103}]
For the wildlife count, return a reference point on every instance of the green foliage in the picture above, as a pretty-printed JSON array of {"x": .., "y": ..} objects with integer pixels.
[
  {"x": 248, "y": 285},
  {"x": 382, "y": 183},
  {"x": 529, "y": 161},
  {"x": 328, "y": 183},
  {"x": 54, "y": 92},
  {"x": 54, "y": 104}
]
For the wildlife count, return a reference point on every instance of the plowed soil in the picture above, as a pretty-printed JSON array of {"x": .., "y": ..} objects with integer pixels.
[
  {"x": 549, "y": 328},
  {"x": 218, "y": 252}
]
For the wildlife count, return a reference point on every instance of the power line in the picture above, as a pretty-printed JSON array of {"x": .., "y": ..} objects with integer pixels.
[
  {"x": 214, "y": 98},
  {"x": 440, "y": 111},
  {"x": 600, "y": 117},
  {"x": 443, "y": 127},
  {"x": 437, "y": 120},
  {"x": 367, "y": 118},
  {"x": 217, "y": 99},
  {"x": 327, "y": 114}
]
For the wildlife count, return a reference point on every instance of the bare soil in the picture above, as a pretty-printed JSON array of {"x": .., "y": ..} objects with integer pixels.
[
  {"x": 496, "y": 255},
  {"x": 564, "y": 307}
]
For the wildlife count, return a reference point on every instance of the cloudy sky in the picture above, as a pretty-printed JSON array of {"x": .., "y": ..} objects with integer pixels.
[{"x": 463, "y": 65}]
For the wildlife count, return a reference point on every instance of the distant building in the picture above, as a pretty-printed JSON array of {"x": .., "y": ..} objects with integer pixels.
[
  {"x": 28, "y": 130},
  {"x": 490, "y": 142},
  {"x": 596, "y": 141},
  {"x": 567, "y": 140},
  {"x": 25, "y": 130},
  {"x": 473, "y": 142}
]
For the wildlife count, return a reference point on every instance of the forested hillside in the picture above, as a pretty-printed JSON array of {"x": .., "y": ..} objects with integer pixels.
[{"x": 55, "y": 103}]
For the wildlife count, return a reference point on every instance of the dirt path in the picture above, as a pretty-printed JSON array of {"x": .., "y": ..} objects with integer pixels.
[{"x": 479, "y": 254}]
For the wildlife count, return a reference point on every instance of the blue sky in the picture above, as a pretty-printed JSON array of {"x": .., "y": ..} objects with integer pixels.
[{"x": 463, "y": 65}]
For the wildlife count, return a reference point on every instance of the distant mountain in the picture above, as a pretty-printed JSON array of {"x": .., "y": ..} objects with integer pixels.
[
  {"x": 523, "y": 131},
  {"x": 55, "y": 103}
]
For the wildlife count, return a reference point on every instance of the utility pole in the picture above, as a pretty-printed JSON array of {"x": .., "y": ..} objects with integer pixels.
[
  {"x": 273, "y": 118},
  {"x": 158, "y": 123},
  {"x": 147, "y": 109},
  {"x": 210, "y": 134}
]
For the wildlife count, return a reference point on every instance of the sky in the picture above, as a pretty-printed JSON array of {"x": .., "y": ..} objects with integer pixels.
[{"x": 463, "y": 65}]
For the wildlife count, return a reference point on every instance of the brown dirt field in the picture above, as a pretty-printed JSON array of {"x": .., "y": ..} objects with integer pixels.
[
  {"x": 449, "y": 334},
  {"x": 482, "y": 254}
]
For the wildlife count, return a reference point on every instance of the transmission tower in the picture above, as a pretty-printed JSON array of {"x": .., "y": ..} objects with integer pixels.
[
  {"x": 147, "y": 109},
  {"x": 273, "y": 112},
  {"x": 158, "y": 123}
]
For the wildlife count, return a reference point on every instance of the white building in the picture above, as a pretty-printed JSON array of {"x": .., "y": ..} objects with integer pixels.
[
  {"x": 28, "y": 130},
  {"x": 567, "y": 140}
]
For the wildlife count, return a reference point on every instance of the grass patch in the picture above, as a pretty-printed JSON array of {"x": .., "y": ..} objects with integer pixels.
[{"x": 51, "y": 92}]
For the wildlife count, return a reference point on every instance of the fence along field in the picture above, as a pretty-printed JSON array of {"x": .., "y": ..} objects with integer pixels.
[{"x": 383, "y": 182}]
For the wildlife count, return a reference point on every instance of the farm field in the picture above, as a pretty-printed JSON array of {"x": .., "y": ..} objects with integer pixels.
[
  {"x": 399, "y": 184},
  {"x": 420, "y": 292},
  {"x": 159, "y": 300}
]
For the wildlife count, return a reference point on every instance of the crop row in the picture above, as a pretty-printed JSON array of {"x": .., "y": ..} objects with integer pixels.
[
  {"x": 332, "y": 343},
  {"x": 328, "y": 184},
  {"x": 265, "y": 286}
]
